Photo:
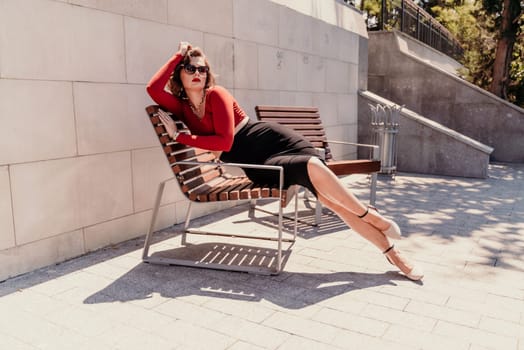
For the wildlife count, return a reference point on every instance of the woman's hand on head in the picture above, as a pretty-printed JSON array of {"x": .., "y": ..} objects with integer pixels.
[
  {"x": 183, "y": 47},
  {"x": 169, "y": 124}
]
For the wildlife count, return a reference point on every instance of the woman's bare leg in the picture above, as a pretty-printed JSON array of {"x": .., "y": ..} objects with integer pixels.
[
  {"x": 336, "y": 197},
  {"x": 329, "y": 186},
  {"x": 366, "y": 230}
]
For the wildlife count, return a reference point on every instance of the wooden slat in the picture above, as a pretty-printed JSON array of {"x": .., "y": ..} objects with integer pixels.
[
  {"x": 291, "y": 121},
  {"x": 197, "y": 171},
  {"x": 359, "y": 166},
  {"x": 174, "y": 148},
  {"x": 265, "y": 191},
  {"x": 285, "y": 108},
  {"x": 250, "y": 193},
  {"x": 214, "y": 194},
  {"x": 194, "y": 182},
  {"x": 310, "y": 132},
  {"x": 192, "y": 154},
  {"x": 155, "y": 119},
  {"x": 151, "y": 109},
  {"x": 164, "y": 139},
  {"x": 177, "y": 147},
  {"x": 199, "y": 192},
  {"x": 293, "y": 115},
  {"x": 275, "y": 192},
  {"x": 231, "y": 192},
  {"x": 317, "y": 144},
  {"x": 223, "y": 192},
  {"x": 309, "y": 127},
  {"x": 208, "y": 157},
  {"x": 160, "y": 130},
  {"x": 234, "y": 194}
]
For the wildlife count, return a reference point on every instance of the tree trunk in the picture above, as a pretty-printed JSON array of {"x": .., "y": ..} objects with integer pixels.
[{"x": 508, "y": 31}]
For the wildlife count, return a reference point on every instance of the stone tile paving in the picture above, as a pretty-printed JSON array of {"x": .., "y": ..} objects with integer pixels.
[{"x": 336, "y": 292}]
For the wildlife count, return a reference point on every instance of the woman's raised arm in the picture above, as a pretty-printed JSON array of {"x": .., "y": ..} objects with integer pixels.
[{"x": 157, "y": 85}]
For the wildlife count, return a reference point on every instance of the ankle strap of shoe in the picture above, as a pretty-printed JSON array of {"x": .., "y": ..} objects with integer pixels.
[
  {"x": 387, "y": 250},
  {"x": 365, "y": 213}
]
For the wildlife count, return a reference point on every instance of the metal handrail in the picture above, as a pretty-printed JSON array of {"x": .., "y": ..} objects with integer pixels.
[
  {"x": 407, "y": 17},
  {"x": 419, "y": 24}
]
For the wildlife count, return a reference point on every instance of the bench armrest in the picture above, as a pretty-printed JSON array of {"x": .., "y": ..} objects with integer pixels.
[{"x": 374, "y": 149}]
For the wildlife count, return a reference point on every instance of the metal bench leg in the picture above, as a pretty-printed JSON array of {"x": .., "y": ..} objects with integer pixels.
[
  {"x": 318, "y": 207},
  {"x": 295, "y": 229},
  {"x": 252, "y": 208},
  {"x": 149, "y": 235},
  {"x": 373, "y": 189},
  {"x": 318, "y": 213},
  {"x": 186, "y": 223}
]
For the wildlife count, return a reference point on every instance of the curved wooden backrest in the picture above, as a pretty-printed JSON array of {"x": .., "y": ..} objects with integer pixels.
[
  {"x": 209, "y": 182},
  {"x": 304, "y": 120},
  {"x": 190, "y": 177}
]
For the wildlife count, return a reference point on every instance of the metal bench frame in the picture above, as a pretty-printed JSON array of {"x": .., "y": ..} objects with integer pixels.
[{"x": 202, "y": 193}]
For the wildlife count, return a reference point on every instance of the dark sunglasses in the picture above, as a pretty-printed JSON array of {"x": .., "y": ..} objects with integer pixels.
[{"x": 190, "y": 69}]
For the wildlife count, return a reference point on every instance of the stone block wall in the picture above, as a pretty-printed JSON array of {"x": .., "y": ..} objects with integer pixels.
[
  {"x": 409, "y": 73},
  {"x": 79, "y": 162}
]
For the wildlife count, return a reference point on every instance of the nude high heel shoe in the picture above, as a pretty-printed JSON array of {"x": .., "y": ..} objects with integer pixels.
[
  {"x": 393, "y": 231},
  {"x": 394, "y": 258}
]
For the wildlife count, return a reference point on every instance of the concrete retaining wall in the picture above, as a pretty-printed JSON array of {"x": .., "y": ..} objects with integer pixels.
[
  {"x": 413, "y": 74},
  {"x": 79, "y": 162},
  {"x": 424, "y": 146}
]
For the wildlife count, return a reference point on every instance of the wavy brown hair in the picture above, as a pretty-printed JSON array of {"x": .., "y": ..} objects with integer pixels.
[{"x": 175, "y": 83}]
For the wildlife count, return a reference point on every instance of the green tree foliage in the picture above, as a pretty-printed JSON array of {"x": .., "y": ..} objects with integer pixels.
[
  {"x": 372, "y": 10},
  {"x": 477, "y": 40},
  {"x": 477, "y": 25}
]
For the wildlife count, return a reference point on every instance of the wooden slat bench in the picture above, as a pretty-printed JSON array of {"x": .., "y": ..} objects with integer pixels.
[
  {"x": 203, "y": 179},
  {"x": 306, "y": 121}
]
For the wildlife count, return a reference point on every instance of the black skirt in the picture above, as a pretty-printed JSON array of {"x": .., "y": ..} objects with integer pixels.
[{"x": 272, "y": 144}]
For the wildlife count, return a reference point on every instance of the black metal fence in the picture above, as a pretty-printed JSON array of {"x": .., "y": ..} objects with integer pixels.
[
  {"x": 411, "y": 19},
  {"x": 406, "y": 16}
]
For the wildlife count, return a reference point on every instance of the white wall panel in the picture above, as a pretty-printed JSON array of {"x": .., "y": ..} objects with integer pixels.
[
  {"x": 256, "y": 20},
  {"x": 347, "y": 113},
  {"x": 150, "y": 167},
  {"x": 219, "y": 51},
  {"x": 337, "y": 77},
  {"x": 7, "y": 233},
  {"x": 277, "y": 69},
  {"x": 248, "y": 99},
  {"x": 207, "y": 16},
  {"x": 293, "y": 98},
  {"x": 27, "y": 257},
  {"x": 328, "y": 107},
  {"x": 45, "y": 199},
  {"x": 311, "y": 73},
  {"x": 58, "y": 41},
  {"x": 245, "y": 65},
  {"x": 111, "y": 117},
  {"x": 104, "y": 187},
  {"x": 149, "y": 45},
  {"x": 37, "y": 121},
  {"x": 155, "y": 10}
]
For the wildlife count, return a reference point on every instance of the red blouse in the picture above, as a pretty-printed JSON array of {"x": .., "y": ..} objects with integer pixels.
[{"x": 216, "y": 130}]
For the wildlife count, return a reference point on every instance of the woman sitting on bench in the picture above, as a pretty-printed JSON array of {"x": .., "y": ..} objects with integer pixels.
[{"x": 219, "y": 124}]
